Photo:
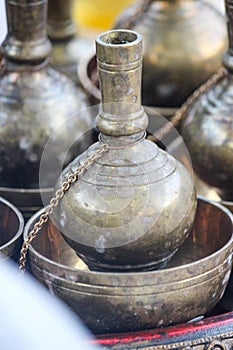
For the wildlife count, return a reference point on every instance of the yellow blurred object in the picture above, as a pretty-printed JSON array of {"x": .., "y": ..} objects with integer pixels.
[{"x": 98, "y": 14}]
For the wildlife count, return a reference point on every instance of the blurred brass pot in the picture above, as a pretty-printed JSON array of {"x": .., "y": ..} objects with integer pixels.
[
  {"x": 183, "y": 44},
  {"x": 208, "y": 127},
  {"x": 34, "y": 101},
  {"x": 67, "y": 45},
  {"x": 192, "y": 283}
]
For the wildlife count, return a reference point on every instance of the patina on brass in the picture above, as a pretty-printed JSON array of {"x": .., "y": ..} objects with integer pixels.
[
  {"x": 183, "y": 44},
  {"x": 208, "y": 127},
  {"x": 191, "y": 284},
  {"x": 133, "y": 207},
  {"x": 11, "y": 230},
  {"x": 26, "y": 39},
  {"x": 67, "y": 45},
  {"x": 34, "y": 99}
]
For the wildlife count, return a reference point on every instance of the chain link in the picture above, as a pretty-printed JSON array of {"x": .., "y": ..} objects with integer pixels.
[
  {"x": 55, "y": 201},
  {"x": 136, "y": 14}
]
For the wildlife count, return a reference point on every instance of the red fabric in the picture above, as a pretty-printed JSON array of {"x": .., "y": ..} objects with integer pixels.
[{"x": 183, "y": 330}]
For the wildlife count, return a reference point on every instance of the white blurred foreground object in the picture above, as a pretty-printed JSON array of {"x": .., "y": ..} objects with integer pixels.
[
  {"x": 32, "y": 319},
  {"x": 3, "y": 26}
]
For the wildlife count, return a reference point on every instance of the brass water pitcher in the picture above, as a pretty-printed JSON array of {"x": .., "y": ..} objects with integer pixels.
[
  {"x": 67, "y": 45},
  {"x": 183, "y": 44},
  {"x": 34, "y": 98},
  {"x": 135, "y": 204},
  {"x": 208, "y": 126}
]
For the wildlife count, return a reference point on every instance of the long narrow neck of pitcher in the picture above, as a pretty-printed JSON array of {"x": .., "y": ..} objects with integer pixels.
[
  {"x": 228, "y": 56},
  {"x": 26, "y": 40},
  {"x": 119, "y": 57},
  {"x": 60, "y": 22}
]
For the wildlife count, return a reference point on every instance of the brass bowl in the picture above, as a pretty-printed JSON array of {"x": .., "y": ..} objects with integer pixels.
[
  {"x": 209, "y": 192},
  {"x": 87, "y": 75},
  {"x": 192, "y": 283},
  {"x": 11, "y": 230},
  {"x": 28, "y": 201}
]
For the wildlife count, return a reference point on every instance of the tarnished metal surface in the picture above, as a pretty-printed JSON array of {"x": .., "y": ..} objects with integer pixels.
[
  {"x": 183, "y": 44},
  {"x": 34, "y": 100},
  {"x": 11, "y": 230},
  {"x": 174, "y": 65},
  {"x": 67, "y": 45},
  {"x": 26, "y": 39},
  {"x": 33, "y": 104},
  {"x": 60, "y": 23},
  {"x": 135, "y": 187},
  {"x": 88, "y": 77},
  {"x": 208, "y": 131},
  {"x": 191, "y": 285}
]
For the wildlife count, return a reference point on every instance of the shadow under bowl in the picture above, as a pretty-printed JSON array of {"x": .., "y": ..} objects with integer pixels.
[
  {"x": 11, "y": 230},
  {"x": 192, "y": 283}
]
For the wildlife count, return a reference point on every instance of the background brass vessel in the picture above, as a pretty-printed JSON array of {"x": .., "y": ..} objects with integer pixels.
[
  {"x": 11, "y": 230},
  {"x": 67, "y": 46},
  {"x": 34, "y": 100},
  {"x": 176, "y": 147},
  {"x": 136, "y": 204},
  {"x": 183, "y": 44},
  {"x": 191, "y": 284},
  {"x": 207, "y": 128}
]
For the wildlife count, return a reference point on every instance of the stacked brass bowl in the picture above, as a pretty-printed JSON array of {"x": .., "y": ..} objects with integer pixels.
[{"x": 191, "y": 284}]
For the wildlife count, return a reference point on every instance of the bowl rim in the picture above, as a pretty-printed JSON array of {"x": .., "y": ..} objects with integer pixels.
[
  {"x": 26, "y": 190},
  {"x": 125, "y": 275},
  {"x": 20, "y": 218},
  {"x": 137, "y": 289}
]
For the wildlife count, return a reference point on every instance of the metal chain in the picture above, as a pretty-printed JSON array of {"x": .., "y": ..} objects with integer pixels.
[
  {"x": 129, "y": 22},
  {"x": 180, "y": 113},
  {"x": 55, "y": 201}
]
